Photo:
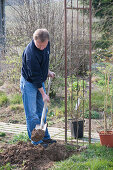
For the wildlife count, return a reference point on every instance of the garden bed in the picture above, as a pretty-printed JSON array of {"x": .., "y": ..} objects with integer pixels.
[{"x": 27, "y": 156}]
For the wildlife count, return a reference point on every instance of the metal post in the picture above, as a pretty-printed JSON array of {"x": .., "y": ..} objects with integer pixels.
[
  {"x": 77, "y": 75},
  {"x": 2, "y": 29},
  {"x": 90, "y": 46},
  {"x": 83, "y": 69},
  {"x": 65, "y": 25}
]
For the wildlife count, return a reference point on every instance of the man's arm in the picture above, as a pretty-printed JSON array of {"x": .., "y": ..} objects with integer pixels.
[{"x": 44, "y": 95}]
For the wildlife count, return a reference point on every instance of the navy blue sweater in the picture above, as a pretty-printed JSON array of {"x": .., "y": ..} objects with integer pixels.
[{"x": 35, "y": 64}]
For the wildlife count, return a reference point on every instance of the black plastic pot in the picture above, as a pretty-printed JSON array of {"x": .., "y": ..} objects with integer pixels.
[{"x": 73, "y": 128}]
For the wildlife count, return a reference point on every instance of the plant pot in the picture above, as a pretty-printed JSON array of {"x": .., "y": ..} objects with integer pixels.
[
  {"x": 106, "y": 138},
  {"x": 73, "y": 128}
]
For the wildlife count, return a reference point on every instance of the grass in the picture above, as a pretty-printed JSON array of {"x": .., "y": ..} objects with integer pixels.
[
  {"x": 7, "y": 167},
  {"x": 15, "y": 107},
  {"x": 20, "y": 137},
  {"x": 98, "y": 102},
  {"x": 16, "y": 99},
  {"x": 96, "y": 157},
  {"x": 3, "y": 98},
  {"x": 70, "y": 147}
]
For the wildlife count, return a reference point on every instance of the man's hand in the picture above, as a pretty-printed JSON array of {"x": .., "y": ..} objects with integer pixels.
[
  {"x": 46, "y": 98},
  {"x": 44, "y": 95},
  {"x": 51, "y": 74}
]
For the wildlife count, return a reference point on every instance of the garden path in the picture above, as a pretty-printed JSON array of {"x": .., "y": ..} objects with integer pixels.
[{"x": 56, "y": 133}]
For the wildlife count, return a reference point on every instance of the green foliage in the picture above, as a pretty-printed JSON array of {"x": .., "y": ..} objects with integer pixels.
[
  {"x": 97, "y": 99},
  {"x": 94, "y": 115},
  {"x": 70, "y": 147},
  {"x": 16, "y": 99},
  {"x": 56, "y": 108},
  {"x": 51, "y": 114},
  {"x": 99, "y": 151},
  {"x": 103, "y": 11},
  {"x": 79, "y": 85},
  {"x": 7, "y": 167},
  {"x": 21, "y": 137},
  {"x": 3, "y": 98},
  {"x": 103, "y": 44},
  {"x": 101, "y": 82},
  {"x": 102, "y": 7},
  {"x": 59, "y": 112},
  {"x": 2, "y": 134},
  {"x": 96, "y": 157},
  {"x": 103, "y": 53}
]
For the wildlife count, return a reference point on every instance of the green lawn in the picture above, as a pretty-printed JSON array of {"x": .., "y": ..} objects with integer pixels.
[{"x": 96, "y": 157}]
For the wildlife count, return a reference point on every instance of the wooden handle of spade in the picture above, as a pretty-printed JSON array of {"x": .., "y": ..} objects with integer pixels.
[{"x": 45, "y": 106}]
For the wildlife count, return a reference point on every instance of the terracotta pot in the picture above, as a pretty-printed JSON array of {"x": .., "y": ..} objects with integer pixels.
[{"x": 106, "y": 138}]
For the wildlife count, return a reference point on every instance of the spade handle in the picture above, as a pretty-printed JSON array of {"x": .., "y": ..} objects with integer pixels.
[{"x": 45, "y": 106}]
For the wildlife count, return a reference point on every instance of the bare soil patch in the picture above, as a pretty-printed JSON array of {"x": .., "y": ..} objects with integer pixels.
[
  {"x": 28, "y": 156},
  {"x": 12, "y": 116}
]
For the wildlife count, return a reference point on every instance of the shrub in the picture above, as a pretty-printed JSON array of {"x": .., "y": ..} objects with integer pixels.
[{"x": 2, "y": 134}]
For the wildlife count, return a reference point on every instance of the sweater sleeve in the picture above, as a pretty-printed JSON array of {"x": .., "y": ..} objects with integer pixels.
[{"x": 34, "y": 70}]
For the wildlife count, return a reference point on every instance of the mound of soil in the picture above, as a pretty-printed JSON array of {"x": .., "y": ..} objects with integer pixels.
[{"x": 28, "y": 156}]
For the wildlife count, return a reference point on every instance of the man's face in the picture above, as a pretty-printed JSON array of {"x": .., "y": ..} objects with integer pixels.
[{"x": 41, "y": 45}]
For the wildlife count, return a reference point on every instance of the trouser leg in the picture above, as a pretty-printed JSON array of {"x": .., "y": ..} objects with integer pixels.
[
  {"x": 33, "y": 106},
  {"x": 29, "y": 96}
]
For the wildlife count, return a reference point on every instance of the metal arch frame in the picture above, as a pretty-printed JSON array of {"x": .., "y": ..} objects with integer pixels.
[
  {"x": 90, "y": 56},
  {"x": 2, "y": 24}
]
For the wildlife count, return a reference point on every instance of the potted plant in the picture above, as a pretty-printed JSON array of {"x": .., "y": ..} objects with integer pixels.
[
  {"x": 106, "y": 135},
  {"x": 76, "y": 122}
]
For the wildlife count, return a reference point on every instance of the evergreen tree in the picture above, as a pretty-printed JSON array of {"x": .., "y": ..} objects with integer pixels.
[{"x": 103, "y": 9}]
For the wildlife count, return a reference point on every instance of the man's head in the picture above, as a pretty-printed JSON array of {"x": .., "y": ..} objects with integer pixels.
[{"x": 41, "y": 37}]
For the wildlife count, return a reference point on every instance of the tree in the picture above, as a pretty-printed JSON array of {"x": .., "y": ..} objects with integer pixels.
[
  {"x": 24, "y": 19},
  {"x": 103, "y": 9}
]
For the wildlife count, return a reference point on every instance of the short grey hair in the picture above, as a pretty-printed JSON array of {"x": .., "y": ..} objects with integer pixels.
[{"x": 41, "y": 34}]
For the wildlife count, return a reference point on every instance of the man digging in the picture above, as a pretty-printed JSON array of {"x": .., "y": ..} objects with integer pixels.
[{"x": 35, "y": 70}]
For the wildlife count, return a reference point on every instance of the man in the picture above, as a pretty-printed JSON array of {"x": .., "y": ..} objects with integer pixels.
[{"x": 35, "y": 64}]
